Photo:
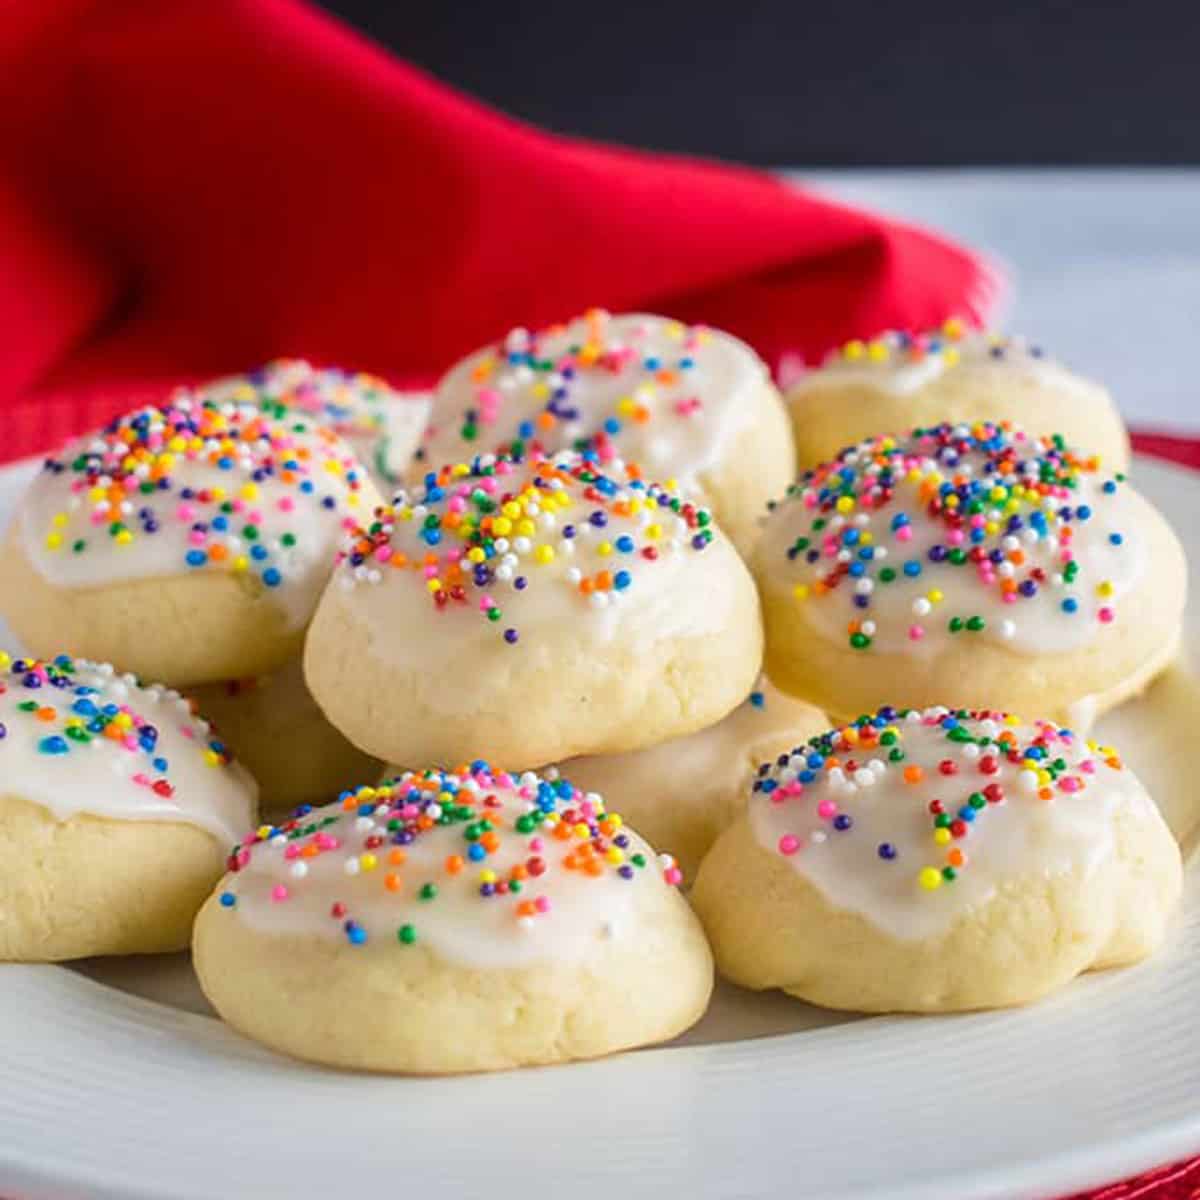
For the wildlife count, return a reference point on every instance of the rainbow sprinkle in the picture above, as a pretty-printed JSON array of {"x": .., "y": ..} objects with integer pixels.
[
  {"x": 497, "y": 840},
  {"x": 948, "y": 345},
  {"x": 236, "y": 487},
  {"x": 50, "y": 708},
  {"x": 968, "y": 762},
  {"x": 953, "y": 531},
  {"x": 533, "y": 393},
  {"x": 478, "y": 535}
]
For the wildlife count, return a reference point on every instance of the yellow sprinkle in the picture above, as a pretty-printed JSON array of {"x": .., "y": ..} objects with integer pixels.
[
  {"x": 934, "y": 596},
  {"x": 502, "y": 527},
  {"x": 877, "y": 351},
  {"x": 53, "y": 541},
  {"x": 845, "y": 504},
  {"x": 800, "y": 591},
  {"x": 434, "y": 585},
  {"x": 604, "y": 549},
  {"x": 5, "y": 661},
  {"x": 930, "y": 879},
  {"x": 511, "y": 509},
  {"x": 487, "y": 875},
  {"x": 476, "y": 554},
  {"x": 614, "y": 856},
  {"x": 59, "y": 521},
  {"x": 241, "y": 563},
  {"x": 1104, "y": 589},
  {"x": 540, "y": 390},
  {"x": 653, "y": 532},
  {"x": 544, "y": 554},
  {"x": 581, "y": 830},
  {"x": 212, "y": 758},
  {"x": 177, "y": 445},
  {"x": 853, "y": 350},
  {"x": 459, "y": 470},
  {"x": 368, "y": 862},
  {"x": 123, "y": 538},
  {"x": 941, "y": 836},
  {"x": 953, "y": 328},
  {"x": 526, "y": 528},
  {"x": 249, "y": 491}
]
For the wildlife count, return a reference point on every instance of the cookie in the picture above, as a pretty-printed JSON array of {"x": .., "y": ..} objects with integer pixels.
[
  {"x": 118, "y": 806},
  {"x": 938, "y": 861},
  {"x": 188, "y": 543},
  {"x": 897, "y": 381},
  {"x": 529, "y": 611},
  {"x": 453, "y": 921},
  {"x": 282, "y": 738},
  {"x": 694, "y": 407},
  {"x": 684, "y": 792},
  {"x": 968, "y": 565},
  {"x": 381, "y": 425}
]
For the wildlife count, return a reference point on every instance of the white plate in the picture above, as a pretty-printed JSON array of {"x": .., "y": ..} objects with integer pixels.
[{"x": 116, "y": 1081}]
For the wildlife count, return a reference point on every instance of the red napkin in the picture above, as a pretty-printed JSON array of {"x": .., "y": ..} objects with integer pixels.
[{"x": 194, "y": 188}]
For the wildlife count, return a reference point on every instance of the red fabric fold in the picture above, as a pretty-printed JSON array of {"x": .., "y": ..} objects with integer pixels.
[{"x": 194, "y": 188}]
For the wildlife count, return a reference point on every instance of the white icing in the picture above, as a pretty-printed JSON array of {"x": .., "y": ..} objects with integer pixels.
[
  {"x": 1023, "y": 837},
  {"x": 380, "y": 896},
  {"x": 674, "y": 396},
  {"x": 1107, "y": 547},
  {"x": 642, "y": 597},
  {"x": 899, "y": 365},
  {"x": 291, "y": 483},
  {"x": 58, "y": 758},
  {"x": 381, "y": 425}
]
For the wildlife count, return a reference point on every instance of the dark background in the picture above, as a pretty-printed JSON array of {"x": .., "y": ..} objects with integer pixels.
[{"x": 829, "y": 84}]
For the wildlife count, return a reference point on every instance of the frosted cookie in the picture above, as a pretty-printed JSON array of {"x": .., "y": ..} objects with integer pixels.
[
  {"x": 188, "y": 543},
  {"x": 692, "y": 406},
  {"x": 118, "y": 807},
  {"x": 283, "y": 739},
  {"x": 935, "y": 861},
  {"x": 684, "y": 792},
  {"x": 971, "y": 566},
  {"x": 529, "y": 611},
  {"x": 443, "y": 922},
  {"x": 897, "y": 381},
  {"x": 381, "y": 425}
]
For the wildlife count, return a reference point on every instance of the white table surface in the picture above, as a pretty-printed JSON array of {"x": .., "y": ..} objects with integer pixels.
[{"x": 1104, "y": 265}]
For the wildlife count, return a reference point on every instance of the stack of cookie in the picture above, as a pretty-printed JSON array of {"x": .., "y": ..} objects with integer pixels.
[{"x": 558, "y": 614}]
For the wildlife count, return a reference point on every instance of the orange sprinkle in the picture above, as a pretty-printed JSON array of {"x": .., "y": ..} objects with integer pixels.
[
  {"x": 397, "y": 857},
  {"x": 913, "y": 774},
  {"x": 46, "y": 714},
  {"x": 392, "y": 881},
  {"x": 454, "y": 864},
  {"x": 526, "y": 908}
]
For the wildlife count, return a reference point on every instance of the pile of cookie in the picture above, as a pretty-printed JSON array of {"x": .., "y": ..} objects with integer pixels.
[{"x": 461, "y": 669}]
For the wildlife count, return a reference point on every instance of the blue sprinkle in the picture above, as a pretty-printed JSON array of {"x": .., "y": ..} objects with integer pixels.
[
  {"x": 1070, "y": 604},
  {"x": 196, "y": 558},
  {"x": 271, "y": 577},
  {"x": 476, "y": 853},
  {"x": 758, "y": 699},
  {"x": 887, "y": 850},
  {"x": 1115, "y": 538},
  {"x": 53, "y": 745},
  {"x": 912, "y": 567},
  {"x": 621, "y": 580},
  {"x": 228, "y": 899}
]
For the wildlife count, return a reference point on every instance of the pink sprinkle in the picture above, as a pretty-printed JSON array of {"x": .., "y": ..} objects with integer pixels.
[
  {"x": 457, "y": 504},
  {"x": 536, "y": 844},
  {"x": 279, "y": 892},
  {"x": 526, "y": 793},
  {"x": 326, "y": 841},
  {"x": 789, "y": 844},
  {"x": 286, "y": 504},
  {"x": 673, "y": 876},
  {"x": 430, "y": 572},
  {"x": 196, "y": 537},
  {"x": 904, "y": 533},
  {"x": 1088, "y": 766},
  {"x": 1106, "y": 615},
  {"x": 826, "y": 809},
  {"x": 291, "y": 850},
  {"x": 141, "y": 778},
  {"x": 185, "y": 512},
  {"x": 956, "y": 537},
  {"x": 542, "y": 904},
  {"x": 1070, "y": 784},
  {"x": 916, "y": 633}
]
